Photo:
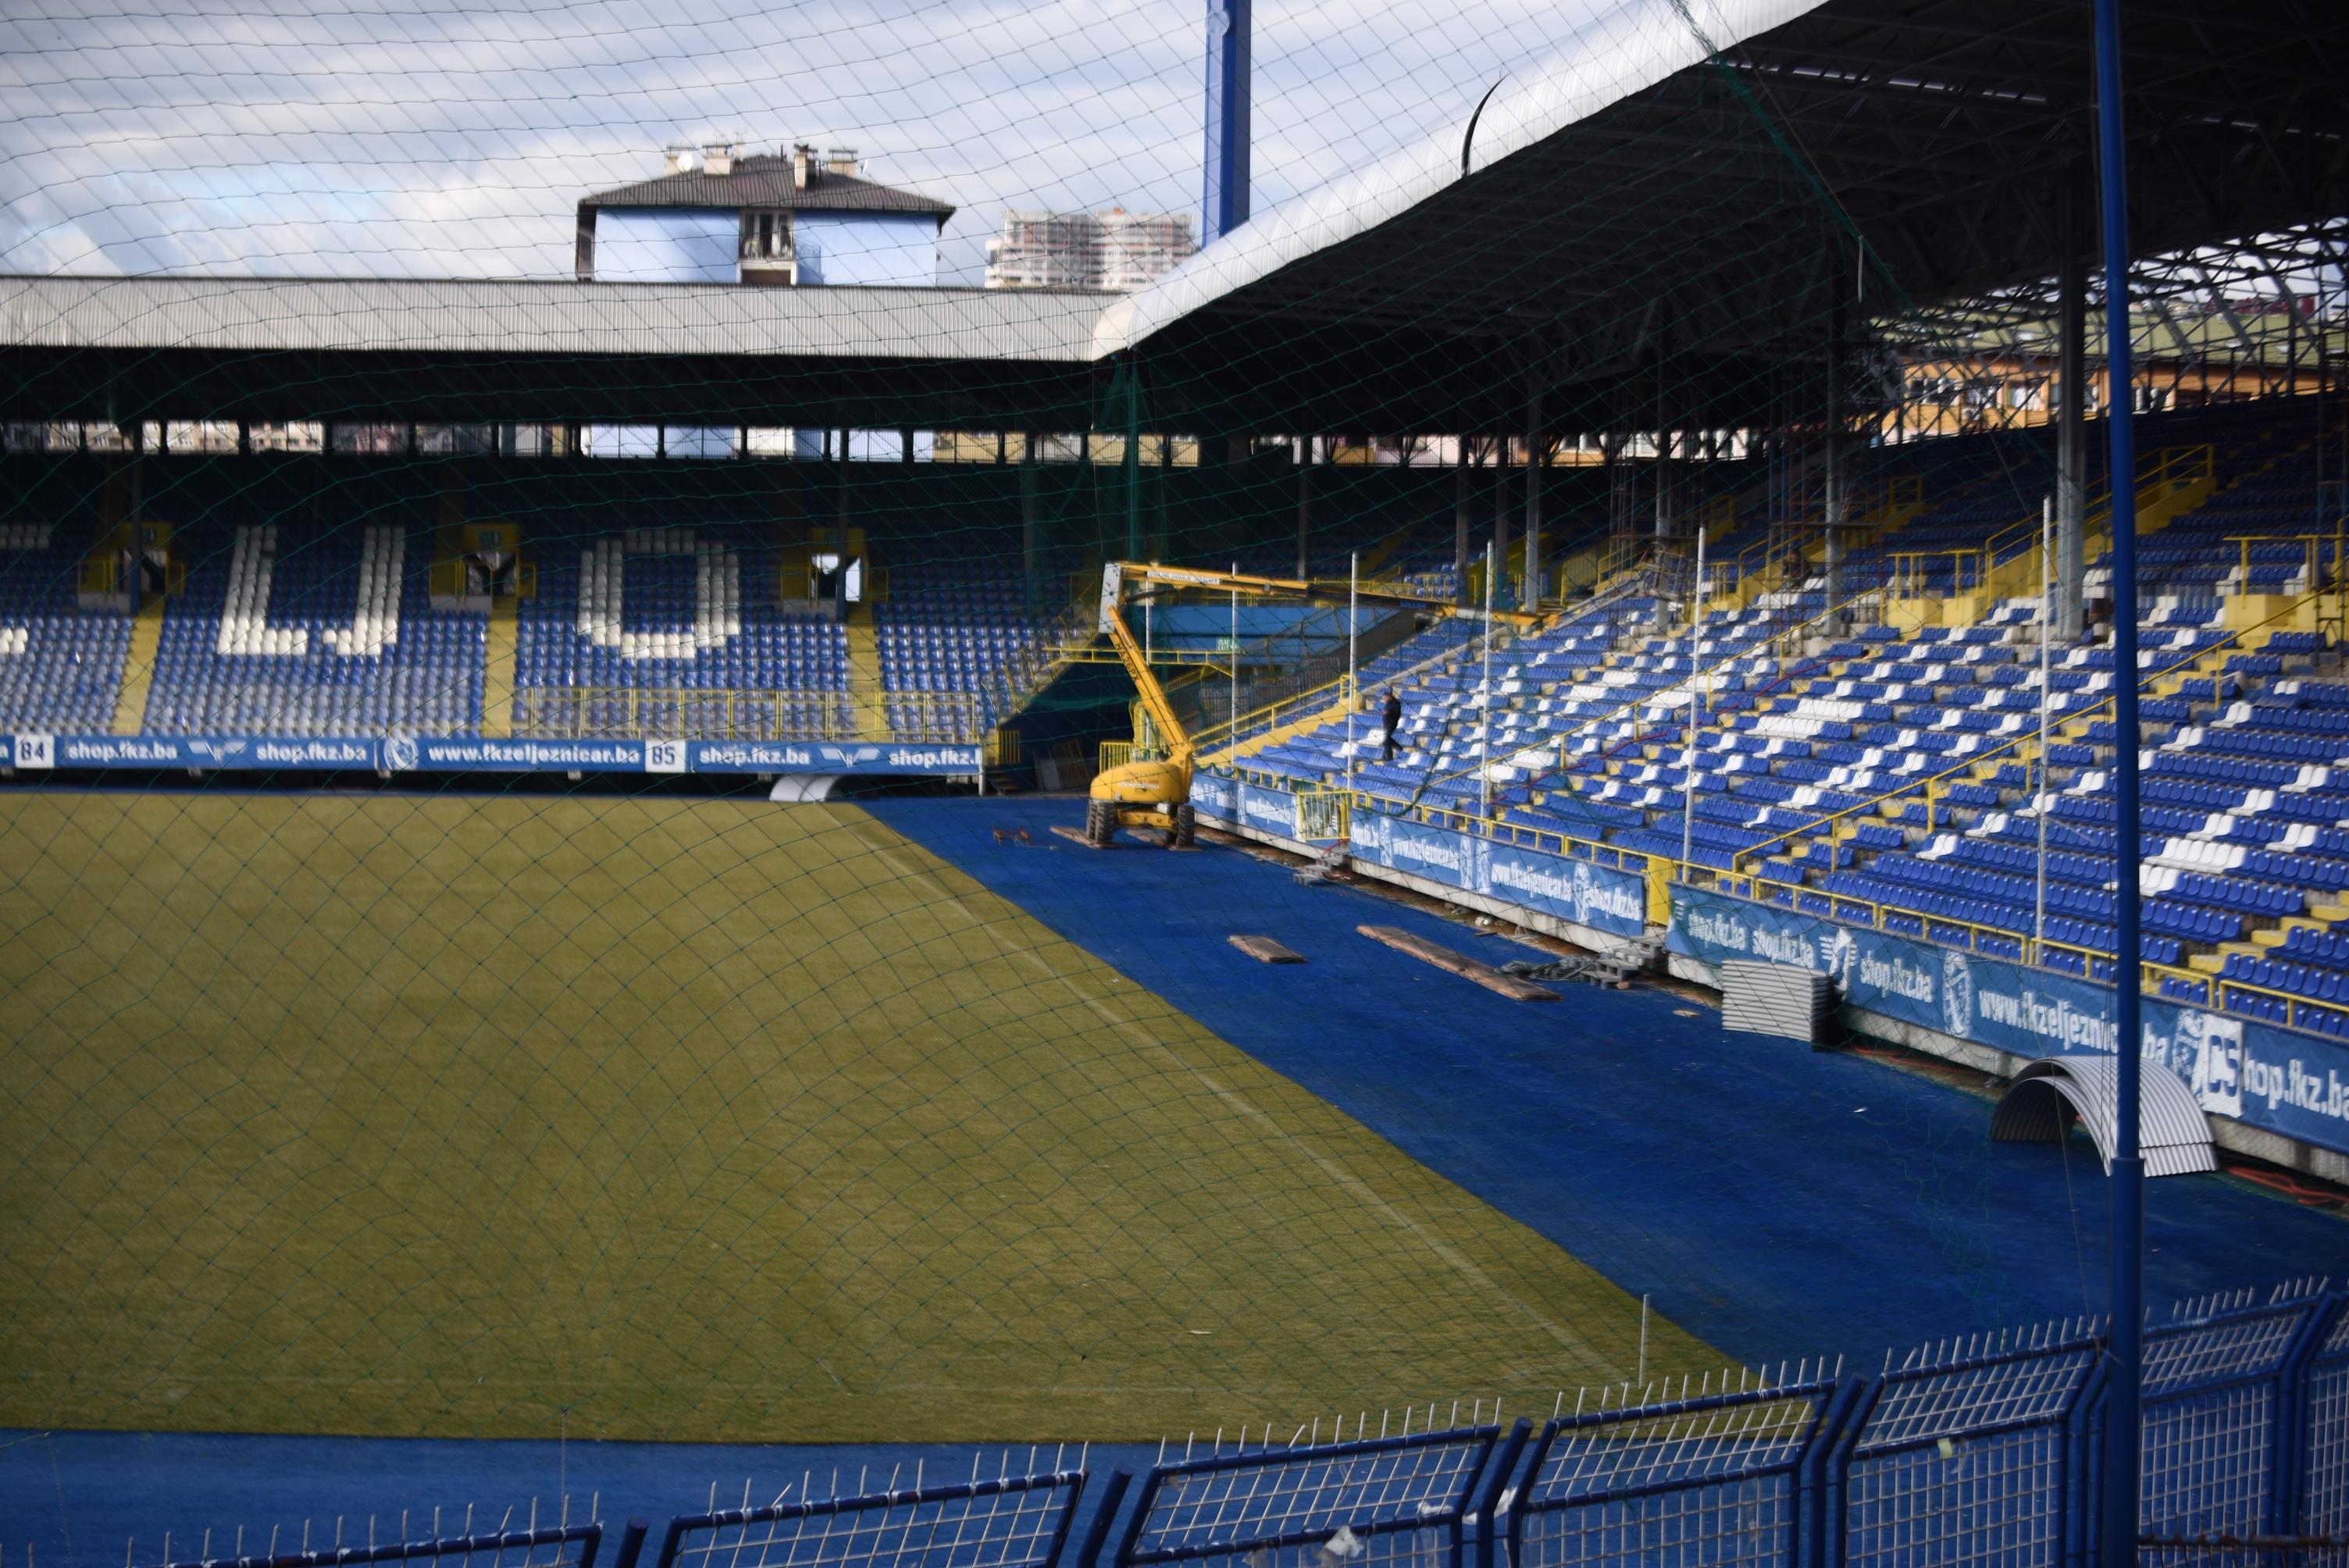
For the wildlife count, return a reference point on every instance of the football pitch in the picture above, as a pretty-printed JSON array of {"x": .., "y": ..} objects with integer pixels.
[{"x": 681, "y": 1119}]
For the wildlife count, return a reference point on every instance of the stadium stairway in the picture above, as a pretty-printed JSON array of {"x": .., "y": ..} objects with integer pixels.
[
  {"x": 498, "y": 681},
  {"x": 864, "y": 685},
  {"x": 138, "y": 668}
]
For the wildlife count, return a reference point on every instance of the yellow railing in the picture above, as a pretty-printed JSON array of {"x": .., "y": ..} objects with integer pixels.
[
  {"x": 2175, "y": 474},
  {"x": 2315, "y": 557},
  {"x": 1993, "y": 940},
  {"x": 1360, "y": 803},
  {"x": 1930, "y": 784},
  {"x": 1116, "y": 754},
  {"x": 2296, "y": 1009},
  {"x": 629, "y": 713},
  {"x": 1226, "y": 733}
]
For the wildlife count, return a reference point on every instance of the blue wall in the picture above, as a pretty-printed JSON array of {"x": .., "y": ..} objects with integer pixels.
[
  {"x": 635, "y": 247},
  {"x": 840, "y": 248}
]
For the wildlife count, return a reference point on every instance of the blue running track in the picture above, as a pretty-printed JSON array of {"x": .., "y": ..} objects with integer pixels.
[{"x": 1776, "y": 1201}]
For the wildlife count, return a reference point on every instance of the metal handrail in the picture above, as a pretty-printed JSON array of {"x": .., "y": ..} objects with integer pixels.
[
  {"x": 2221, "y": 988},
  {"x": 2233, "y": 638},
  {"x": 1773, "y": 647},
  {"x": 2312, "y": 558},
  {"x": 2034, "y": 947}
]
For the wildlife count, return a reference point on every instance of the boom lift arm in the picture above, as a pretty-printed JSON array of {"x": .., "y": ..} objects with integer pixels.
[{"x": 1156, "y": 793}]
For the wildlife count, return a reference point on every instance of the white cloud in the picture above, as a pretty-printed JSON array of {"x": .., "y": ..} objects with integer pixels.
[{"x": 454, "y": 137}]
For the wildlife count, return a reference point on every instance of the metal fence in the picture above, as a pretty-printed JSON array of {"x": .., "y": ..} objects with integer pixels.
[
  {"x": 2223, "y": 1385},
  {"x": 1383, "y": 1502},
  {"x": 1978, "y": 1453},
  {"x": 2323, "y": 1484},
  {"x": 1013, "y": 1522},
  {"x": 1729, "y": 1478},
  {"x": 466, "y": 1544}
]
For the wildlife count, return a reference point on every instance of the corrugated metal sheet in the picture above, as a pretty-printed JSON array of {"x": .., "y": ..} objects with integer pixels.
[
  {"x": 2173, "y": 1133},
  {"x": 471, "y": 316},
  {"x": 1773, "y": 999}
]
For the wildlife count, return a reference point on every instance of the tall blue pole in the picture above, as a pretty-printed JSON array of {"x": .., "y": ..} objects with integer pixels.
[
  {"x": 2122, "y": 1438},
  {"x": 1226, "y": 204}
]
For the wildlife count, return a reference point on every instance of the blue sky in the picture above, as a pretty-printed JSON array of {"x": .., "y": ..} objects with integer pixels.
[{"x": 452, "y": 137}]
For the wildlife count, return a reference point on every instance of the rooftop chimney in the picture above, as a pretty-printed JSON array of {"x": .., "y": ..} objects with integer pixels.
[
  {"x": 718, "y": 159},
  {"x": 841, "y": 160},
  {"x": 802, "y": 157}
]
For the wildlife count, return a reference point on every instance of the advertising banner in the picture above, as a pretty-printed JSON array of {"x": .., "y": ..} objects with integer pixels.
[
  {"x": 1215, "y": 798},
  {"x": 213, "y": 752},
  {"x": 2281, "y": 1080},
  {"x": 438, "y": 754},
  {"x": 1266, "y": 810},
  {"x": 1599, "y": 897},
  {"x": 827, "y": 757}
]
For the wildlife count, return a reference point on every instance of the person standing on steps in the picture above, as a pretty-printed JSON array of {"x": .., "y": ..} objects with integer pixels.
[{"x": 1390, "y": 717}]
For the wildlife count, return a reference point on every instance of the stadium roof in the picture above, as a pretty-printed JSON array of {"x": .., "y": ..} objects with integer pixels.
[
  {"x": 1692, "y": 197},
  {"x": 1683, "y": 205},
  {"x": 306, "y": 347},
  {"x": 767, "y": 179}
]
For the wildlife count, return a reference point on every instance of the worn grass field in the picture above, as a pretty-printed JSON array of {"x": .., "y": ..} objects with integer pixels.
[{"x": 676, "y": 1120}]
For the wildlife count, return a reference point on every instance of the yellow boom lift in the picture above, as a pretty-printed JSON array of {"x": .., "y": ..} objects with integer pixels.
[{"x": 1156, "y": 793}]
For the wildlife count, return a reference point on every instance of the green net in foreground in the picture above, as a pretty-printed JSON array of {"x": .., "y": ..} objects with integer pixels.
[{"x": 681, "y": 1119}]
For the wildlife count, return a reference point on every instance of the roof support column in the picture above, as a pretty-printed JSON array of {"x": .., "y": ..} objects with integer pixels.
[
  {"x": 840, "y": 478},
  {"x": 1500, "y": 561},
  {"x": 1838, "y": 504},
  {"x": 1537, "y": 450},
  {"x": 1460, "y": 521},
  {"x": 1132, "y": 463},
  {"x": 1662, "y": 474},
  {"x": 1031, "y": 542},
  {"x": 2071, "y": 413},
  {"x": 1304, "y": 499}
]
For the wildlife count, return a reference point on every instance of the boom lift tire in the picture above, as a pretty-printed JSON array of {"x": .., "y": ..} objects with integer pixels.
[
  {"x": 1100, "y": 824},
  {"x": 1186, "y": 827}
]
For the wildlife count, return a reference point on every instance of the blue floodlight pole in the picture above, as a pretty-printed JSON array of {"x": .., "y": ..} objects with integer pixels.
[
  {"x": 1226, "y": 202},
  {"x": 2127, "y": 1290}
]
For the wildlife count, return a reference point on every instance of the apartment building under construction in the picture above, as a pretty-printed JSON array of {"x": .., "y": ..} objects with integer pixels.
[{"x": 1117, "y": 249}]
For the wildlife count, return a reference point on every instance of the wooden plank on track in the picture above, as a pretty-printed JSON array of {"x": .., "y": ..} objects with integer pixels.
[
  {"x": 1264, "y": 949},
  {"x": 1485, "y": 974}
]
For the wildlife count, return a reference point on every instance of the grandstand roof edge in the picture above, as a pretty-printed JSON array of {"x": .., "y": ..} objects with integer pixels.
[
  {"x": 1630, "y": 47},
  {"x": 514, "y": 316}
]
